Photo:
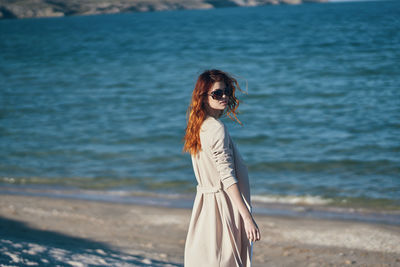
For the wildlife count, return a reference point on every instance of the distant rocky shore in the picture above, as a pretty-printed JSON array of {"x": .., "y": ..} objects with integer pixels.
[{"x": 10, "y": 9}]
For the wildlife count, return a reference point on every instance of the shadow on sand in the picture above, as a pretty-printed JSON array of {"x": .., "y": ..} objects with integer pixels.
[{"x": 23, "y": 245}]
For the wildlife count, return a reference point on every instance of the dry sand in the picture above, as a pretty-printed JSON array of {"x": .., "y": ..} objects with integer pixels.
[{"x": 39, "y": 231}]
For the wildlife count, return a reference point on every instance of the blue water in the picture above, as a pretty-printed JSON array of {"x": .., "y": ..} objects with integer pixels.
[{"x": 100, "y": 101}]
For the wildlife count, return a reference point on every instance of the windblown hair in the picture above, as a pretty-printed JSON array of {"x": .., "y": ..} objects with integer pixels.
[{"x": 197, "y": 113}]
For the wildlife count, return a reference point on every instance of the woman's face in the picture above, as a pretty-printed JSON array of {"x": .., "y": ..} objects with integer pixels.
[{"x": 217, "y": 98}]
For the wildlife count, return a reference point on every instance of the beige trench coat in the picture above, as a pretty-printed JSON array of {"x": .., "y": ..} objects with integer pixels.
[{"x": 216, "y": 235}]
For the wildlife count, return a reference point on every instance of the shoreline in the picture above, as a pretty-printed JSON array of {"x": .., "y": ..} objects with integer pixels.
[
  {"x": 82, "y": 232},
  {"x": 63, "y": 8},
  {"x": 185, "y": 201}
]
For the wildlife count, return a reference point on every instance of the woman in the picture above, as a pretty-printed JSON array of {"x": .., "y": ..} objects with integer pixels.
[{"x": 221, "y": 229}]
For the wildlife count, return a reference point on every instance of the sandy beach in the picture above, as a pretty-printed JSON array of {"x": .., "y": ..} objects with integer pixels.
[{"x": 52, "y": 231}]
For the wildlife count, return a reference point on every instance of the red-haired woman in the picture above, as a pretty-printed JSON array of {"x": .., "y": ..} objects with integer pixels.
[{"x": 221, "y": 229}]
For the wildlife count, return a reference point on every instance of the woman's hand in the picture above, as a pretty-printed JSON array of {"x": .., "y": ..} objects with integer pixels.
[{"x": 251, "y": 228}]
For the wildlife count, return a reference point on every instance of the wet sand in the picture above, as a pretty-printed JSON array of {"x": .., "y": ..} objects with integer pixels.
[{"x": 41, "y": 230}]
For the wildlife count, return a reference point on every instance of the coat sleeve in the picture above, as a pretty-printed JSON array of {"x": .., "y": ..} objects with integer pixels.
[{"x": 222, "y": 154}]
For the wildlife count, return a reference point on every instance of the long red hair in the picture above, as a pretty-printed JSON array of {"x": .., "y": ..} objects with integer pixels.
[{"x": 197, "y": 113}]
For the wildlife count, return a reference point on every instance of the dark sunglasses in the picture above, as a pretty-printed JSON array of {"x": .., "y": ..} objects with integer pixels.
[{"x": 219, "y": 93}]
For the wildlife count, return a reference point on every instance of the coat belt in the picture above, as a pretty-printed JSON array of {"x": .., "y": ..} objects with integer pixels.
[{"x": 209, "y": 189}]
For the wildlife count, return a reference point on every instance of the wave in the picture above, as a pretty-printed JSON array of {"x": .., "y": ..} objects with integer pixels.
[
  {"x": 127, "y": 184},
  {"x": 376, "y": 166},
  {"x": 150, "y": 187},
  {"x": 302, "y": 200}
]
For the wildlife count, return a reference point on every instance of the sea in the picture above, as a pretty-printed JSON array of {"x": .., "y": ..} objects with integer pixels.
[{"x": 95, "y": 106}]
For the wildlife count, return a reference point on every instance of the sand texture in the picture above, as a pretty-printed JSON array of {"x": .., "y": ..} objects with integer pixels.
[{"x": 37, "y": 231}]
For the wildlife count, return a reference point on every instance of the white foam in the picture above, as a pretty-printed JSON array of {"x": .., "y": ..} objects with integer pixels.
[{"x": 308, "y": 200}]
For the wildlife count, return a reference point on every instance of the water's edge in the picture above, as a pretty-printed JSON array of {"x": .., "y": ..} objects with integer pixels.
[{"x": 316, "y": 211}]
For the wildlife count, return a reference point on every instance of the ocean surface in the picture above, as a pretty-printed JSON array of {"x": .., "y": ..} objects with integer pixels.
[{"x": 99, "y": 102}]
